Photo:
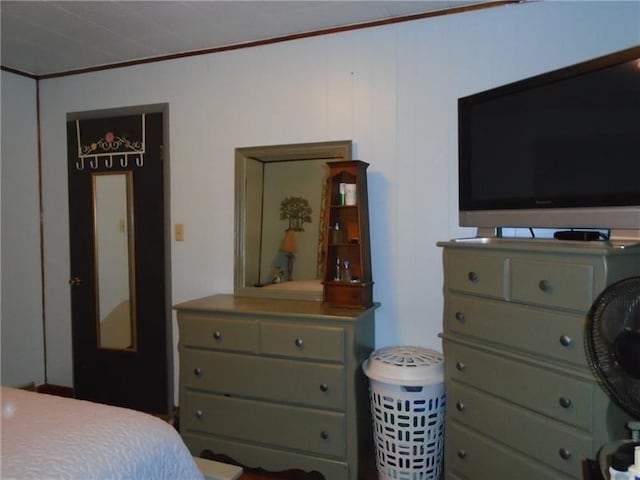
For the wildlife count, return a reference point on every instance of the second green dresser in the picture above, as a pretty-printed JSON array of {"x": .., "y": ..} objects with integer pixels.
[{"x": 521, "y": 400}]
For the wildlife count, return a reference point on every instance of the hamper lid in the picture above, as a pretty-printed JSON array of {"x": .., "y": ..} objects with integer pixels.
[{"x": 405, "y": 365}]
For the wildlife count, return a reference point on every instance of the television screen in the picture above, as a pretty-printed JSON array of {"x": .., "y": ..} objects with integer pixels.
[{"x": 568, "y": 139}]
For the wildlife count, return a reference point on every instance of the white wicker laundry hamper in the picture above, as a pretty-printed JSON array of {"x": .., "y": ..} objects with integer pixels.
[{"x": 408, "y": 406}]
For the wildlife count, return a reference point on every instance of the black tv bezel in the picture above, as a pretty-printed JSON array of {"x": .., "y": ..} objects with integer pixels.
[{"x": 516, "y": 211}]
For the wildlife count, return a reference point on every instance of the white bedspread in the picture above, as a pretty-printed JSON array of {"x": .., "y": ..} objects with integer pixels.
[{"x": 49, "y": 437}]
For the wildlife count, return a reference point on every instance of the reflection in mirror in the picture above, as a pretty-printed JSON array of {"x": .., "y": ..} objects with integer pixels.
[
  {"x": 280, "y": 241},
  {"x": 113, "y": 228}
]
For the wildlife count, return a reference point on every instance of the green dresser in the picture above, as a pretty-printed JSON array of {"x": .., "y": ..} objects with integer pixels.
[
  {"x": 521, "y": 400},
  {"x": 277, "y": 384}
]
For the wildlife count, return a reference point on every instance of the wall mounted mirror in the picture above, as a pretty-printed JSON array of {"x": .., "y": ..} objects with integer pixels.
[
  {"x": 280, "y": 242},
  {"x": 113, "y": 230}
]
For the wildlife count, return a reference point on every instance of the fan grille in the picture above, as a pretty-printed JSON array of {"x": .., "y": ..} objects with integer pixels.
[{"x": 616, "y": 310}]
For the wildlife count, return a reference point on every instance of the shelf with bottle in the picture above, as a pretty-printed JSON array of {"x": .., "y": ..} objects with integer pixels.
[
  {"x": 344, "y": 226},
  {"x": 345, "y": 270},
  {"x": 344, "y": 189}
]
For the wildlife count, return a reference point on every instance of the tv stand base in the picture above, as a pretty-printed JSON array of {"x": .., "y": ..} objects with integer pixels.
[{"x": 489, "y": 232}]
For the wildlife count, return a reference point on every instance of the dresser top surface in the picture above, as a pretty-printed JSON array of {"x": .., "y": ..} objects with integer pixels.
[
  {"x": 250, "y": 305},
  {"x": 543, "y": 245}
]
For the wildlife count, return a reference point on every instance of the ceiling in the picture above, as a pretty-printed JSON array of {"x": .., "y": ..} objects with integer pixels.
[{"x": 44, "y": 37}]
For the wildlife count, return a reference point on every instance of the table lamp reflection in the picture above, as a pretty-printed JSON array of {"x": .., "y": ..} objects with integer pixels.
[{"x": 290, "y": 248}]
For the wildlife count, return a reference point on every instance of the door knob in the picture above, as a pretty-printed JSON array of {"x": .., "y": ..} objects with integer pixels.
[{"x": 75, "y": 281}]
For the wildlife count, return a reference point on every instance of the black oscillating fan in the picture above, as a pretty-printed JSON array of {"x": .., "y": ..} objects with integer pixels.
[
  {"x": 612, "y": 344},
  {"x": 612, "y": 341}
]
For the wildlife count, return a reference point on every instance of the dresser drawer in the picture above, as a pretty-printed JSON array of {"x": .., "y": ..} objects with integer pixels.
[
  {"x": 302, "y": 341},
  {"x": 558, "y": 445},
  {"x": 271, "y": 424},
  {"x": 218, "y": 332},
  {"x": 552, "y": 284},
  {"x": 303, "y": 383},
  {"x": 474, "y": 457},
  {"x": 539, "y": 332},
  {"x": 477, "y": 274},
  {"x": 563, "y": 398}
]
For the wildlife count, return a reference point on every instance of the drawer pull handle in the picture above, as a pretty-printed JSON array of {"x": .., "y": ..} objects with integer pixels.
[
  {"x": 473, "y": 277},
  {"x": 298, "y": 342},
  {"x": 565, "y": 402},
  {"x": 217, "y": 335},
  {"x": 460, "y": 317},
  {"x": 544, "y": 285},
  {"x": 199, "y": 414},
  {"x": 460, "y": 406},
  {"x": 564, "y": 453},
  {"x": 462, "y": 454},
  {"x": 460, "y": 366},
  {"x": 324, "y": 387},
  {"x": 197, "y": 371},
  {"x": 565, "y": 340},
  {"x": 324, "y": 435}
]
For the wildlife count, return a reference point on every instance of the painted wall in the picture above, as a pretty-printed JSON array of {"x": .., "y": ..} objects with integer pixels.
[
  {"x": 391, "y": 89},
  {"x": 22, "y": 354}
]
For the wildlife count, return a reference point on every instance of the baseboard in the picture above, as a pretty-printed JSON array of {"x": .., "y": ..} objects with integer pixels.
[
  {"x": 31, "y": 386},
  {"x": 58, "y": 390}
]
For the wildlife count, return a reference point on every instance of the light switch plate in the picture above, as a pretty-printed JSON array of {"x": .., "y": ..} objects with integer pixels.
[{"x": 179, "y": 231}]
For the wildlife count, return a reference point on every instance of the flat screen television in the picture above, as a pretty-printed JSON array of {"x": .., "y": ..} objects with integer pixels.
[{"x": 558, "y": 150}]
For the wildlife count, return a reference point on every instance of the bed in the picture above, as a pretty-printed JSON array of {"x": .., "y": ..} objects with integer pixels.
[{"x": 50, "y": 437}]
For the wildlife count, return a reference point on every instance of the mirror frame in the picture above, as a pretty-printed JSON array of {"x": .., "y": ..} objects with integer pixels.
[{"x": 331, "y": 151}]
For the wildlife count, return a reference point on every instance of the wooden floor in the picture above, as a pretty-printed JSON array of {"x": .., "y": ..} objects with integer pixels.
[
  {"x": 297, "y": 475},
  {"x": 367, "y": 471},
  {"x": 266, "y": 476},
  {"x": 257, "y": 476},
  {"x": 262, "y": 475}
]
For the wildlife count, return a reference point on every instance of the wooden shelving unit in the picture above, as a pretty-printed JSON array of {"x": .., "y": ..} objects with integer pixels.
[{"x": 347, "y": 279}]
